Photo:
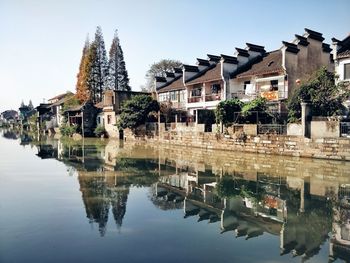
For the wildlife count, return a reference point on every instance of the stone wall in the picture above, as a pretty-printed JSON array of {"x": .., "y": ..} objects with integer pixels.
[
  {"x": 332, "y": 148},
  {"x": 325, "y": 129}
]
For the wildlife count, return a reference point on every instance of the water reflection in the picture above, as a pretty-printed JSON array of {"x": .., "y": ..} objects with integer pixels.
[{"x": 304, "y": 202}]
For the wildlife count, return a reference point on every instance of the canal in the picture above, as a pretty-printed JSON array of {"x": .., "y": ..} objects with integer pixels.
[{"x": 108, "y": 201}]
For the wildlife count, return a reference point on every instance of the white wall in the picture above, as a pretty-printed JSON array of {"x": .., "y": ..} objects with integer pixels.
[{"x": 339, "y": 68}]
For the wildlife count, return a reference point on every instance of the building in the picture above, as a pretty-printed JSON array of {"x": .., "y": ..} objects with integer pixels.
[
  {"x": 83, "y": 116},
  {"x": 341, "y": 56},
  {"x": 110, "y": 109},
  {"x": 248, "y": 74},
  {"x": 57, "y": 104},
  {"x": 274, "y": 75}
]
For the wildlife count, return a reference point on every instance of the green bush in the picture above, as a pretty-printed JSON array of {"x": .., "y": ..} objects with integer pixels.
[
  {"x": 99, "y": 131},
  {"x": 321, "y": 91},
  {"x": 225, "y": 110},
  {"x": 68, "y": 130},
  {"x": 136, "y": 111}
]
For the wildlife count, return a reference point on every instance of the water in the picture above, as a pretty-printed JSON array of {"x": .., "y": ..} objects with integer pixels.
[{"x": 108, "y": 201}]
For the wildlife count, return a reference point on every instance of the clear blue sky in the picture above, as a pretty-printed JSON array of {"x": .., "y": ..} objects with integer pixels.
[{"x": 41, "y": 40}]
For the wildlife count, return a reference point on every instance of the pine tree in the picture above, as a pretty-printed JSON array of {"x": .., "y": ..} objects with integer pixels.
[
  {"x": 82, "y": 88},
  {"x": 117, "y": 74},
  {"x": 30, "y": 105},
  {"x": 99, "y": 70},
  {"x": 22, "y": 104},
  {"x": 91, "y": 70}
]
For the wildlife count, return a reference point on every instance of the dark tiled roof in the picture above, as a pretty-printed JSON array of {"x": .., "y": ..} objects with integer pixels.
[
  {"x": 302, "y": 40},
  {"x": 213, "y": 58},
  {"x": 270, "y": 63},
  {"x": 61, "y": 96},
  {"x": 99, "y": 105},
  {"x": 229, "y": 59},
  {"x": 291, "y": 47},
  {"x": 344, "y": 54},
  {"x": 242, "y": 52},
  {"x": 63, "y": 100},
  {"x": 190, "y": 68},
  {"x": 203, "y": 62},
  {"x": 211, "y": 73},
  {"x": 314, "y": 35},
  {"x": 74, "y": 108},
  {"x": 255, "y": 48},
  {"x": 175, "y": 84},
  {"x": 326, "y": 47}
]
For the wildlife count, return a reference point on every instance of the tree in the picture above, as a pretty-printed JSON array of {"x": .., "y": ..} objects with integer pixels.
[
  {"x": 158, "y": 69},
  {"x": 99, "y": 66},
  {"x": 136, "y": 111},
  {"x": 22, "y": 104},
  {"x": 82, "y": 87},
  {"x": 225, "y": 111},
  {"x": 325, "y": 96},
  {"x": 30, "y": 105},
  {"x": 117, "y": 74}
]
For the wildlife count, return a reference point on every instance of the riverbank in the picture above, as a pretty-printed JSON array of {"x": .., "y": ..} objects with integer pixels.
[{"x": 320, "y": 148}]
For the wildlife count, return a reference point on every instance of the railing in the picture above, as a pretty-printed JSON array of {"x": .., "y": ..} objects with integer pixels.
[
  {"x": 272, "y": 129},
  {"x": 345, "y": 129},
  {"x": 178, "y": 104},
  {"x": 212, "y": 97},
  {"x": 269, "y": 95},
  {"x": 195, "y": 99}
]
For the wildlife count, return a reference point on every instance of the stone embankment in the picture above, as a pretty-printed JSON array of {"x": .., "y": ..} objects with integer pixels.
[{"x": 325, "y": 148}]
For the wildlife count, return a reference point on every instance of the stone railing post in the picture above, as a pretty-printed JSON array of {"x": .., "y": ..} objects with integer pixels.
[{"x": 306, "y": 118}]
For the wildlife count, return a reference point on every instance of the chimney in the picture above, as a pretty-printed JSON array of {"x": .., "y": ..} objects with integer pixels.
[
  {"x": 242, "y": 56},
  {"x": 169, "y": 76},
  {"x": 160, "y": 81},
  {"x": 189, "y": 71},
  {"x": 177, "y": 72},
  {"x": 202, "y": 64},
  {"x": 255, "y": 50},
  {"x": 213, "y": 59}
]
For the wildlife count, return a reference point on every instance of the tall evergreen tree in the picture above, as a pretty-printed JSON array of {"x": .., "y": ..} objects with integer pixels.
[
  {"x": 30, "y": 105},
  {"x": 99, "y": 70},
  {"x": 91, "y": 69},
  {"x": 117, "y": 74},
  {"x": 82, "y": 88}
]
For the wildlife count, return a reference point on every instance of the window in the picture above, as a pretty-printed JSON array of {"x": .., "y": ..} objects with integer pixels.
[
  {"x": 245, "y": 84},
  {"x": 347, "y": 71},
  {"x": 274, "y": 84},
  {"x": 109, "y": 119},
  {"x": 196, "y": 92},
  {"x": 173, "y": 96},
  {"x": 215, "y": 88}
]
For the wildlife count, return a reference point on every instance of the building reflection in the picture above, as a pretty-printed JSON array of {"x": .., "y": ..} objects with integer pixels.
[
  {"x": 304, "y": 202},
  {"x": 304, "y": 206}
]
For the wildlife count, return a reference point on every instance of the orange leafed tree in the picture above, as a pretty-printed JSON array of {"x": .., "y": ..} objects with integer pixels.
[{"x": 82, "y": 89}]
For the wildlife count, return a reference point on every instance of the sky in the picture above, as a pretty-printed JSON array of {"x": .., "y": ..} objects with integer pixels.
[{"x": 41, "y": 40}]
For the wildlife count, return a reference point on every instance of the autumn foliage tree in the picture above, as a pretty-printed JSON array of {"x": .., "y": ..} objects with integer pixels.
[{"x": 82, "y": 88}]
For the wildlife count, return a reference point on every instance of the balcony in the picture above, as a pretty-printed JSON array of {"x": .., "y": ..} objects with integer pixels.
[
  {"x": 195, "y": 99},
  {"x": 212, "y": 97},
  {"x": 268, "y": 95}
]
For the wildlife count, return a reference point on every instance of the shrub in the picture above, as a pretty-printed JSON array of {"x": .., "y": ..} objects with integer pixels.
[
  {"x": 68, "y": 130},
  {"x": 99, "y": 131},
  {"x": 136, "y": 111},
  {"x": 225, "y": 110}
]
